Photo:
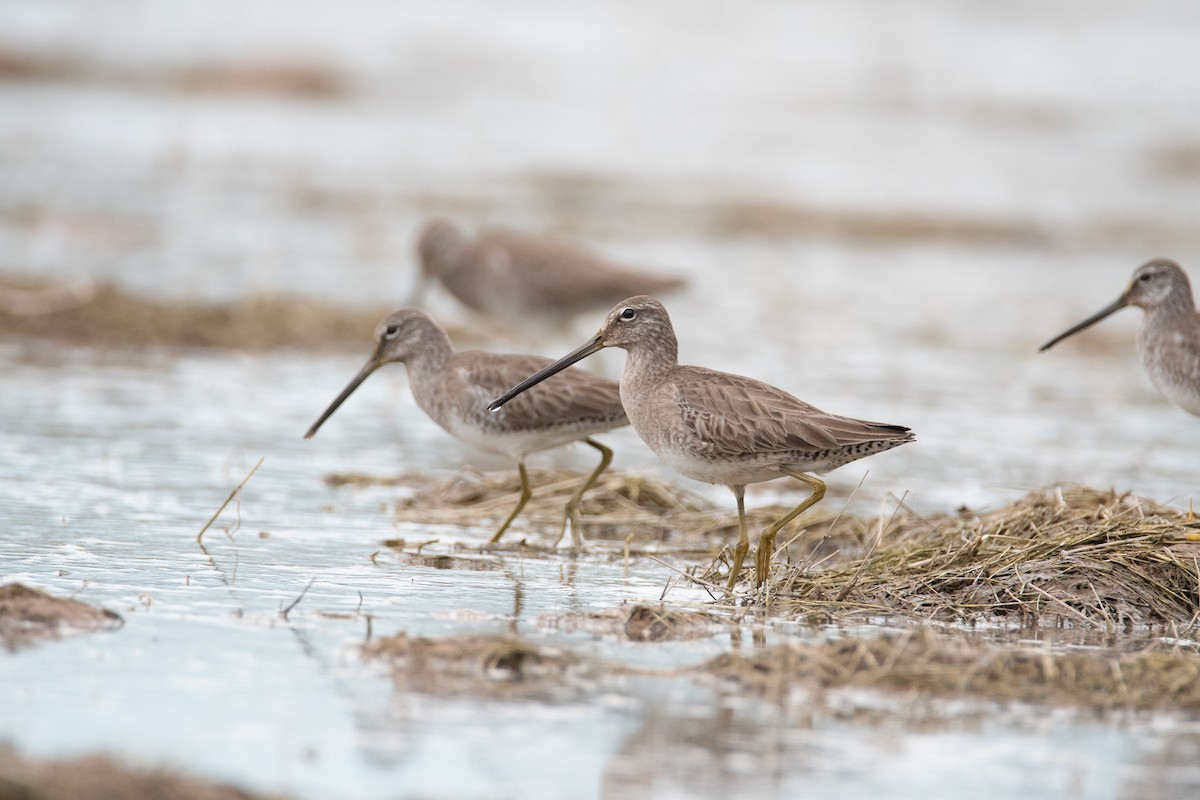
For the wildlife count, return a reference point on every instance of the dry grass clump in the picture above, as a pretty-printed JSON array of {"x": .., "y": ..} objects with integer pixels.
[
  {"x": 29, "y": 616},
  {"x": 106, "y": 316},
  {"x": 1073, "y": 555},
  {"x": 96, "y": 778},
  {"x": 924, "y": 662}
]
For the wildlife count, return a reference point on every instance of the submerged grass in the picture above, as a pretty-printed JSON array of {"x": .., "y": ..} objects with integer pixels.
[
  {"x": 918, "y": 664},
  {"x": 924, "y": 662},
  {"x": 642, "y": 513},
  {"x": 1062, "y": 555}
]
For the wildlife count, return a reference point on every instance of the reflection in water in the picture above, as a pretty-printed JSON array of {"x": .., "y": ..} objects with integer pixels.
[
  {"x": 712, "y": 752},
  {"x": 1166, "y": 771}
]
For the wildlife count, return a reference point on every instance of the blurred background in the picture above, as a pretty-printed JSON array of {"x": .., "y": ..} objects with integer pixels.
[{"x": 881, "y": 209}]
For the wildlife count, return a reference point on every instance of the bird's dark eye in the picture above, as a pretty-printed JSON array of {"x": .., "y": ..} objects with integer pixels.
[
  {"x": 628, "y": 313},
  {"x": 391, "y": 330},
  {"x": 1145, "y": 276}
]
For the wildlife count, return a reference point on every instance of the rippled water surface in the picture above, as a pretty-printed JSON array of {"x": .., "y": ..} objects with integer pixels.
[{"x": 881, "y": 209}]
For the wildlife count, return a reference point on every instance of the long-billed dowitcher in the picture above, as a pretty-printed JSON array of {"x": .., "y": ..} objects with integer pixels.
[
  {"x": 453, "y": 388},
  {"x": 1168, "y": 339},
  {"x": 721, "y": 428},
  {"x": 517, "y": 277}
]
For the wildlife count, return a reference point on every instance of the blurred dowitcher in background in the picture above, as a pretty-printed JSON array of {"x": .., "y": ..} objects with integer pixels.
[
  {"x": 519, "y": 278},
  {"x": 721, "y": 428},
  {"x": 1168, "y": 339},
  {"x": 454, "y": 388}
]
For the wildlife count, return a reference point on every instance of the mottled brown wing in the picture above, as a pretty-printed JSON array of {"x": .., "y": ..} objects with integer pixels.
[
  {"x": 740, "y": 416},
  {"x": 573, "y": 395}
]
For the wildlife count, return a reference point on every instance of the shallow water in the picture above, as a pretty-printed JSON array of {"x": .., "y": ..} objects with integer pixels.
[{"x": 884, "y": 212}]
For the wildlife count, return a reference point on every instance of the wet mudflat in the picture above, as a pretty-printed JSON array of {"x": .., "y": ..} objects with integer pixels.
[{"x": 884, "y": 213}]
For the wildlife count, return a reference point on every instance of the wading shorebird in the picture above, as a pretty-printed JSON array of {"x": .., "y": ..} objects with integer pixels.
[
  {"x": 721, "y": 428},
  {"x": 453, "y": 388},
  {"x": 1168, "y": 339},
  {"x": 518, "y": 277}
]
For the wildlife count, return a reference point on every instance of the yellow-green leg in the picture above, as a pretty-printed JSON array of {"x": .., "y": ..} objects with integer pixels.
[
  {"x": 571, "y": 512},
  {"x": 766, "y": 542},
  {"x": 526, "y": 493},
  {"x": 743, "y": 542}
]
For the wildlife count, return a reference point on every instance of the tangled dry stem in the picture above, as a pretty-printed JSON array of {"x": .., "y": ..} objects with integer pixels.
[{"x": 1069, "y": 554}]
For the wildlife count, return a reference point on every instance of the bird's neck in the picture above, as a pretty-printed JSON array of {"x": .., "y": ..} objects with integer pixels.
[
  {"x": 648, "y": 364},
  {"x": 432, "y": 354},
  {"x": 1178, "y": 304}
]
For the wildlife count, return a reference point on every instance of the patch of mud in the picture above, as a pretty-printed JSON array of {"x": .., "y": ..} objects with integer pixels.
[
  {"x": 489, "y": 666},
  {"x": 29, "y": 617},
  {"x": 97, "y": 778},
  {"x": 651, "y": 624}
]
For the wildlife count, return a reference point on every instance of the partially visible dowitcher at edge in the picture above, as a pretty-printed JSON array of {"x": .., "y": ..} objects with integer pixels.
[
  {"x": 721, "y": 428},
  {"x": 1168, "y": 339},
  {"x": 517, "y": 277},
  {"x": 453, "y": 388}
]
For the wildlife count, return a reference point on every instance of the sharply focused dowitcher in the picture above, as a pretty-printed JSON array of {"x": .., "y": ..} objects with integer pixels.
[
  {"x": 1168, "y": 339},
  {"x": 721, "y": 428},
  {"x": 454, "y": 388},
  {"x": 519, "y": 277}
]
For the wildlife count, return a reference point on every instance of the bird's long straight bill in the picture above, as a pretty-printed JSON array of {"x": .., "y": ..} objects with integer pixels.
[
  {"x": 362, "y": 375},
  {"x": 1113, "y": 307},
  {"x": 558, "y": 366}
]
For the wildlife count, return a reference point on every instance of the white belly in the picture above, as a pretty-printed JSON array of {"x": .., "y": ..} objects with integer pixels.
[
  {"x": 513, "y": 445},
  {"x": 722, "y": 473}
]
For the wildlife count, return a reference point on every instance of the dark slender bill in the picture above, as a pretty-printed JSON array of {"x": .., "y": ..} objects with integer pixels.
[
  {"x": 367, "y": 369},
  {"x": 593, "y": 346},
  {"x": 1115, "y": 306}
]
